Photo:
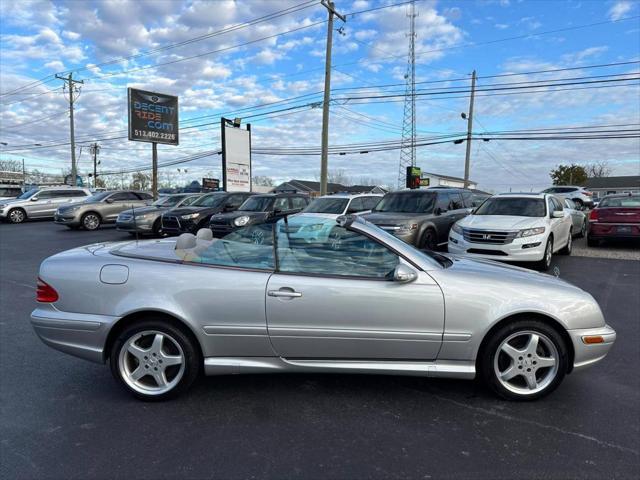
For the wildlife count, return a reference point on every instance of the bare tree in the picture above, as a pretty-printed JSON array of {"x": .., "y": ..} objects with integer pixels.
[
  {"x": 263, "y": 181},
  {"x": 11, "y": 165},
  {"x": 598, "y": 169},
  {"x": 140, "y": 181},
  {"x": 339, "y": 176}
]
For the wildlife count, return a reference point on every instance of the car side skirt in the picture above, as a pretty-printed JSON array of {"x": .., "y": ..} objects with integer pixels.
[{"x": 242, "y": 365}]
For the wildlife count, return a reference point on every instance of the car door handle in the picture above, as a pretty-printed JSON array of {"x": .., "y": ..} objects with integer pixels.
[{"x": 284, "y": 293}]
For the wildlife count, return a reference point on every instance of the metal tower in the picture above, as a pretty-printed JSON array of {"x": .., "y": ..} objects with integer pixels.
[{"x": 408, "y": 146}]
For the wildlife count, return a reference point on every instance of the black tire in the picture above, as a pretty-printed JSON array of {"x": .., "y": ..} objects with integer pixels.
[
  {"x": 429, "y": 240},
  {"x": 91, "y": 221},
  {"x": 16, "y": 215},
  {"x": 157, "y": 228},
  {"x": 190, "y": 352},
  {"x": 593, "y": 242},
  {"x": 583, "y": 229},
  {"x": 544, "y": 264},
  {"x": 566, "y": 250},
  {"x": 487, "y": 359}
]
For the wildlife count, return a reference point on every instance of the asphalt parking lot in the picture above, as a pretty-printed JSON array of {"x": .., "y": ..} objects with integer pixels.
[{"x": 66, "y": 418}]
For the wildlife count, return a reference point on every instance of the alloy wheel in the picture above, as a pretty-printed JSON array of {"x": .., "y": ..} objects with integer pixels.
[
  {"x": 526, "y": 362},
  {"x": 548, "y": 253},
  {"x": 91, "y": 221},
  {"x": 151, "y": 362},
  {"x": 16, "y": 216}
]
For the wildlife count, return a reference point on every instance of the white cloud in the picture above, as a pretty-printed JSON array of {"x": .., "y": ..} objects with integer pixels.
[
  {"x": 620, "y": 9},
  {"x": 69, "y": 35},
  {"x": 501, "y": 26}
]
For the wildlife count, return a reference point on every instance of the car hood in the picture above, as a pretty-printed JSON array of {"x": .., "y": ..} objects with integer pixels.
[
  {"x": 227, "y": 217},
  {"x": 8, "y": 200},
  {"x": 393, "y": 218},
  {"x": 500, "y": 222},
  {"x": 149, "y": 209}
]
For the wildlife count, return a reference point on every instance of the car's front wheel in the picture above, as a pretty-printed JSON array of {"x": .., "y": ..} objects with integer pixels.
[
  {"x": 91, "y": 221},
  {"x": 566, "y": 250},
  {"x": 524, "y": 360},
  {"x": 17, "y": 215},
  {"x": 154, "y": 360},
  {"x": 545, "y": 263}
]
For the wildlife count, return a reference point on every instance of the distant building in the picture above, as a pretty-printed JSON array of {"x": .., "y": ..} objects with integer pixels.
[
  {"x": 437, "y": 180},
  {"x": 601, "y": 186},
  {"x": 313, "y": 188}
]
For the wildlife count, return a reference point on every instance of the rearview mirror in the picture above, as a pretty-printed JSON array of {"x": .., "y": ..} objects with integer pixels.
[{"x": 404, "y": 274}]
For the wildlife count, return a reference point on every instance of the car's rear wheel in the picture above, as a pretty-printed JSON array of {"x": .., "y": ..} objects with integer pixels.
[
  {"x": 566, "y": 250},
  {"x": 429, "y": 240},
  {"x": 154, "y": 360},
  {"x": 17, "y": 215},
  {"x": 524, "y": 360},
  {"x": 545, "y": 263},
  {"x": 157, "y": 228},
  {"x": 91, "y": 221}
]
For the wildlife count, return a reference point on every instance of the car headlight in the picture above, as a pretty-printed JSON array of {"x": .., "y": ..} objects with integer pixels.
[
  {"x": 528, "y": 232},
  {"x": 143, "y": 216},
  {"x": 241, "y": 221},
  {"x": 407, "y": 228},
  {"x": 68, "y": 209},
  {"x": 457, "y": 228},
  {"x": 190, "y": 216}
]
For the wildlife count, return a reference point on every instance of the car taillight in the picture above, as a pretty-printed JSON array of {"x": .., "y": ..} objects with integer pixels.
[
  {"x": 593, "y": 215},
  {"x": 45, "y": 293},
  {"x": 589, "y": 194}
]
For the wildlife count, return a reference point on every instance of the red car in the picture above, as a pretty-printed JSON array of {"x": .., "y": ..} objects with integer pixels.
[{"x": 615, "y": 217}]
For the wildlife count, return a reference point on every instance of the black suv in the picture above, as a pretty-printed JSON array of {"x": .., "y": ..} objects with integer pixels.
[
  {"x": 196, "y": 216},
  {"x": 258, "y": 209},
  {"x": 422, "y": 217}
]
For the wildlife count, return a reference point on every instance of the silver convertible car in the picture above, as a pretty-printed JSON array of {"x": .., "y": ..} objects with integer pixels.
[{"x": 310, "y": 293}]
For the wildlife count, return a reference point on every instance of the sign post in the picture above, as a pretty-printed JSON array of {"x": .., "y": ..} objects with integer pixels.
[
  {"x": 236, "y": 156},
  {"x": 153, "y": 118}
]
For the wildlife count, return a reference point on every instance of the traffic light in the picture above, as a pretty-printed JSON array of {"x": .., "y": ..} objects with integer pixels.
[{"x": 413, "y": 177}]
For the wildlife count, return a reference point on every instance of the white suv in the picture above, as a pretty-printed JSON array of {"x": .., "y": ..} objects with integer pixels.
[
  {"x": 579, "y": 195},
  {"x": 517, "y": 227},
  {"x": 343, "y": 203},
  {"x": 41, "y": 202}
]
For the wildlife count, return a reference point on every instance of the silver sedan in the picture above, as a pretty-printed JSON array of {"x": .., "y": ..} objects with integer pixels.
[{"x": 312, "y": 294}]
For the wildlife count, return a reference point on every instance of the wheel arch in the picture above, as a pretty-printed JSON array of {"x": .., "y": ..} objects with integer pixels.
[
  {"x": 22, "y": 209},
  {"x": 428, "y": 225},
  {"x": 541, "y": 317},
  {"x": 138, "y": 315},
  {"x": 95, "y": 212}
]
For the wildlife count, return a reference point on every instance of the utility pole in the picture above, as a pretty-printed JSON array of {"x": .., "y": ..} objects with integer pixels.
[
  {"x": 327, "y": 96},
  {"x": 467, "y": 158},
  {"x": 154, "y": 172},
  {"x": 74, "y": 93},
  {"x": 95, "y": 149},
  {"x": 24, "y": 174}
]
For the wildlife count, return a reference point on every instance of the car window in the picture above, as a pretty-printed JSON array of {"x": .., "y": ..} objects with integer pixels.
[
  {"x": 281, "y": 204},
  {"x": 356, "y": 205},
  {"x": 630, "y": 201},
  {"x": 569, "y": 204},
  {"x": 123, "y": 196},
  {"x": 512, "y": 206},
  {"x": 249, "y": 247},
  {"x": 322, "y": 247},
  {"x": 189, "y": 201},
  {"x": 444, "y": 201},
  {"x": 142, "y": 196},
  {"x": 327, "y": 205},
  {"x": 557, "y": 206},
  {"x": 45, "y": 195},
  {"x": 257, "y": 203},
  {"x": 371, "y": 202},
  {"x": 456, "y": 201},
  {"x": 413, "y": 202},
  {"x": 467, "y": 198},
  {"x": 298, "y": 203},
  {"x": 235, "y": 200}
]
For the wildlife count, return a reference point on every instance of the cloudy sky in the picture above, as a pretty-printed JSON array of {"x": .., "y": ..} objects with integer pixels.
[{"x": 270, "y": 72}]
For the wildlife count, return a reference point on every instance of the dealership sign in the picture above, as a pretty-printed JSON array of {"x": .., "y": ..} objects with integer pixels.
[
  {"x": 153, "y": 117},
  {"x": 210, "y": 184},
  {"x": 236, "y": 157}
]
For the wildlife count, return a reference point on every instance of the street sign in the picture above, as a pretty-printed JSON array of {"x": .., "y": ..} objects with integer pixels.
[
  {"x": 236, "y": 157},
  {"x": 153, "y": 117},
  {"x": 210, "y": 184},
  {"x": 424, "y": 182}
]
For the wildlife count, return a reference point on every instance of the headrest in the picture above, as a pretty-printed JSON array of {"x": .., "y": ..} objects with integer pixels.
[
  {"x": 205, "y": 234},
  {"x": 186, "y": 240}
]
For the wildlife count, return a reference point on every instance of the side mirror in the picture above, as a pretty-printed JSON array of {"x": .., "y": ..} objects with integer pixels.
[
  {"x": 229, "y": 208},
  {"x": 33, "y": 199},
  {"x": 437, "y": 211},
  {"x": 404, "y": 274},
  {"x": 277, "y": 211},
  {"x": 557, "y": 214},
  {"x": 109, "y": 200}
]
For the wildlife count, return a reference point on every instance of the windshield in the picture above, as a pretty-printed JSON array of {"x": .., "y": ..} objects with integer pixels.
[
  {"x": 28, "y": 194},
  {"x": 170, "y": 201},
  {"x": 620, "y": 202},
  {"x": 190, "y": 201},
  {"x": 257, "y": 203},
  {"x": 212, "y": 200},
  {"x": 327, "y": 205},
  {"x": 514, "y": 206},
  {"x": 98, "y": 197},
  {"x": 418, "y": 202}
]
